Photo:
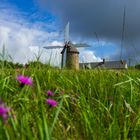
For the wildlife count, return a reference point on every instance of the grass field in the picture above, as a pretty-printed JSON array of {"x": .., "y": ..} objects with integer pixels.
[{"x": 92, "y": 105}]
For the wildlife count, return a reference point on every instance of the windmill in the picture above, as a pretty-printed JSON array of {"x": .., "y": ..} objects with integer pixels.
[{"x": 69, "y": 52}]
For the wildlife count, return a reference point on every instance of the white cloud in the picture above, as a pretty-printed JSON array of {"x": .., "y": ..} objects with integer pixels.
[
  {"x": 88, "y": 56},
  {"x": 24, "y": 40},
  {"x": 19, "y": 35},
  {"x": 56, "y": 43}
]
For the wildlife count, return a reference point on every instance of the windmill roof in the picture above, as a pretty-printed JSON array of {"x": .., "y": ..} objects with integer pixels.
[{"x": 72, "y": 48}]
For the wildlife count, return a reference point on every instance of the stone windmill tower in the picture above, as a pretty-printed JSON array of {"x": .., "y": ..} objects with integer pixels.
[
  {"x": 70, "y": 54},
  {"x": 72, "y": 57}
]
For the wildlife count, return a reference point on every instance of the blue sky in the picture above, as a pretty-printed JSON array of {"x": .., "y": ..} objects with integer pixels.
[
  {"x": 31, "y": 10},
  {"x": 25, "y": 5},
  {"x": 37, "y": 27}
]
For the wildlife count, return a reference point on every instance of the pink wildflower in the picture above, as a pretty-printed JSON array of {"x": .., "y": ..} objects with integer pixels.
[
  {"x": 51, "y": 102},
  {"x": 4, "y": 112},
  {"x": 24, "y": 80},
  {"x": 50, "y": 93}
]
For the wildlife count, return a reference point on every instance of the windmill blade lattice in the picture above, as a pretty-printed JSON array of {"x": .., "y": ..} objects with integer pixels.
[
  {"x": 53, "y": 47},
  {"x": 66, "y": 33}
]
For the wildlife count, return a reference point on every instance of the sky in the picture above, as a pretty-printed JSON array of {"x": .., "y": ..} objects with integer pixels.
[{"x": 28, "y": 25}]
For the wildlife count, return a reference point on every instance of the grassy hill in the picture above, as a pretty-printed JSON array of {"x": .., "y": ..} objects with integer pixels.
[{"x": 92, "y": 104}]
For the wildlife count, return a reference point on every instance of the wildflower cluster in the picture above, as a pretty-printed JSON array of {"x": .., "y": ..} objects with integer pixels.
[
  {"x": 25, "y": 80},
  {"x": 51, "y": 101}
]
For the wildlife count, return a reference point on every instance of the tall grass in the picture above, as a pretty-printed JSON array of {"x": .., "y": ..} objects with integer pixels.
[{"x": 96, "y": 105}]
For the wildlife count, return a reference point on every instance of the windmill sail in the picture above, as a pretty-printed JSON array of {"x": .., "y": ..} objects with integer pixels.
[
  {"x": 66, "y": 33},
  {"x": 53, "y": 47},
  {"x": 81, "y": 45},
  {"x": 66, "y": 40}
]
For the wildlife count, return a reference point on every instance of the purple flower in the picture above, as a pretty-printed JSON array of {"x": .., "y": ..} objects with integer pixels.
[
  {"x": 24, "y": 80},
  {"x": 50, "y": 93},
  {"x": 51, "y": 102},
  {"x": 4, "y": 112}
]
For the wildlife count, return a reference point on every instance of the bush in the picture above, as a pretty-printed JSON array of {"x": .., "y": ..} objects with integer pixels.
[{"x": 137, "y": 66}]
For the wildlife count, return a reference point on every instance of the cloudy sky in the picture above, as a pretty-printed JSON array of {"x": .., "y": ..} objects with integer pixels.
[{"x": 28, "y": 25}]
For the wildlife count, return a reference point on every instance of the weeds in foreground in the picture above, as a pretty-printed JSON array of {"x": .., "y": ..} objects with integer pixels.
[{"x": 70, "y": 105}]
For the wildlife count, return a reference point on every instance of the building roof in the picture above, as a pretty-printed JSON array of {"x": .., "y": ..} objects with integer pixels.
[{"x": 105, "y": 64}]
